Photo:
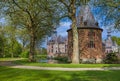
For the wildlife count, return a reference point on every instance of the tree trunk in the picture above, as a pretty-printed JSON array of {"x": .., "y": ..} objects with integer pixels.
[
  {"x": 32, "y": 48},
  {"x": 12, "y": 54},
  {"x": 75, "y": 55}
]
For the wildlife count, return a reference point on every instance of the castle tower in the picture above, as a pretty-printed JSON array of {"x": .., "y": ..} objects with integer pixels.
[
  {"x": 90, "y": 40},
  {"x": 110, "y": 45}
]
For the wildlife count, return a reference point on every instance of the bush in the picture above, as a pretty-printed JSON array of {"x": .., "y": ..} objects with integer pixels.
[
  {"x": 41, "y": 56},
  {"x": 62, "y": 59},
  {"x": 25, "y": 54},
  {"x": 111, "y": 58}
]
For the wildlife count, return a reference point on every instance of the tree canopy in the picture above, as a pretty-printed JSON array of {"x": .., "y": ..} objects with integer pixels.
[
  {"x": 110, "y": 10},
  {"x": 37, "y": 17}
]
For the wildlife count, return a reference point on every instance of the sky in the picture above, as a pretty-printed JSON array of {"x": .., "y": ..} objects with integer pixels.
[{"x": 65, "y": 25}]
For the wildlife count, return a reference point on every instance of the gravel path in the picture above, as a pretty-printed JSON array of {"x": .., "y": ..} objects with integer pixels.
[{"x": 65, "y": 69}]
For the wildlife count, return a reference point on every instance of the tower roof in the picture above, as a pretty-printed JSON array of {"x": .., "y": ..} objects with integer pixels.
[{"x": 86, "y": 18}]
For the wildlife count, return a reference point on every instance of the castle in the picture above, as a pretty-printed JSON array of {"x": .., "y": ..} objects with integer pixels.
[
  {"x": 110, "y": 45},
  {"x": 57, "y": 46},
  {"x": 91, "y": 47}
]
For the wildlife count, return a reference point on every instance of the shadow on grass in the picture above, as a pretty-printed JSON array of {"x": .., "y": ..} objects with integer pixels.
[{"x": 10, "y": 74}]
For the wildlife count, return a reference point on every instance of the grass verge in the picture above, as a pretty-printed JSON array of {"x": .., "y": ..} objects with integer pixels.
[
  {"x": 10, "y": 74},
  {"x": 24, "y": 61}
]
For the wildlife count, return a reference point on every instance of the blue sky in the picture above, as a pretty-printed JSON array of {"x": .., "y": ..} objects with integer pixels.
[{"x": 65, "y": 25}]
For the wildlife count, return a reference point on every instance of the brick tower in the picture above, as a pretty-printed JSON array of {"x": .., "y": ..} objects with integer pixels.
[{"x": 90, "y": 39}]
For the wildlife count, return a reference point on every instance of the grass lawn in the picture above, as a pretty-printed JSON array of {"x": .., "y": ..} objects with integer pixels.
[
  {"x": 10, "y": 74},
  {"x": 11, "y": 59},
  {"x": 24, "y": 61}
]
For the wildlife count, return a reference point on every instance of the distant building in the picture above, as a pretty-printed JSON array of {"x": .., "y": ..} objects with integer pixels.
[
  {"x": 110, "y": 45},
  {"x": 90, "y": 40},
  {"x": 57, "y": 46}
]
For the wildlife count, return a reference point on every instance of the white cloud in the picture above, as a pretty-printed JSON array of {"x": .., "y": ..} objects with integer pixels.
[
  {"x": 65, "y": 24},
  {"x": 62, "y": 29}
]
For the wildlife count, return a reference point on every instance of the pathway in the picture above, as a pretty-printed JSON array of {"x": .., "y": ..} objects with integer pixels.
[
  {"x": 9, "y": 63},
  {"x": 65, "y": 69}
]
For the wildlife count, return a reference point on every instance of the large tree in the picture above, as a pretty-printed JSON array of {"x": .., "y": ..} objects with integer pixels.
[
  {"x": 37, "y": 17},
  {"x": 70, "y": 7},
  {"x": 116, "y": 39},
  {"x": 109, "y": 11}
]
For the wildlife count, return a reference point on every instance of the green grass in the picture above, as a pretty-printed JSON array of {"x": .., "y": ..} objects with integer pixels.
[
  {"x": 10, "y": 74},
  {"x": 25, "y": 62},
  {"x": 11, "y": 59}
]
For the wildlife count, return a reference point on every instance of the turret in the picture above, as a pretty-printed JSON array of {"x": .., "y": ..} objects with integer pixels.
[{"x": 86, "y": 18}]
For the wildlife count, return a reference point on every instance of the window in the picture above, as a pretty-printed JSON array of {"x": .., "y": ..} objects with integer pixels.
[
  {"x": 52, "y": 46},
  {"x": 85, "y": 23},
  {"x": 51, "y": 50},
  {"x": 91, "y": 44},
  {"x": 81, "y": 18}
]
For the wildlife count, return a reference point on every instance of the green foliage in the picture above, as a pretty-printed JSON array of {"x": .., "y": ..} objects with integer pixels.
[
  {"x": 1, "y": 46},
  {"x": 111, "y": 58},
  {"x": 110, "y": 9},
  {"x": 41, "y": 56},
  {"x": 25, "y": 54},
  {"x": 9, "y": 49},
  {"x": 37, "y": 17},
  {"x": 15, "y": 48},
  {"x": 116, "y": 39},
  {"x": 44, "y": 51},
  {"x": 62, "y": 59}
]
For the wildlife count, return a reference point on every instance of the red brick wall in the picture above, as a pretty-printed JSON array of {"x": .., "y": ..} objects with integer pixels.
[{"x": 84, "y": 38}]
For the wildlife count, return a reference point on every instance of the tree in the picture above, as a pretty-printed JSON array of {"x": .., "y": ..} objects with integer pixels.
[
  {"x": 109, "y": 9},
  {"x": 2, "y": 42},
  {"x": 1, "y": 46},
  {"x": 116, "y": 39},
  {"x": 111, "y": 58},
  {"x": 11, "y": 38},
  {"x": 23, "y": 37},
  {"x": 37, "y": 17},
  {"x": 71, "y": 6}
]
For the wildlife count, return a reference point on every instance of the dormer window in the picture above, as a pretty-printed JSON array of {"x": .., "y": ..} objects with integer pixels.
[
  {"x": 85, "y": 23},
  {"x": 96, "y": 24}
]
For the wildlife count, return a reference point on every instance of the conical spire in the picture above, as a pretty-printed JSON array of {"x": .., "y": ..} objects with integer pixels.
[{"x": 86, "y": 18}]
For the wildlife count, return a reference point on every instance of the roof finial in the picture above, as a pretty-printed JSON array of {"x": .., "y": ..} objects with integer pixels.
[{"x": 108, "y": 33}]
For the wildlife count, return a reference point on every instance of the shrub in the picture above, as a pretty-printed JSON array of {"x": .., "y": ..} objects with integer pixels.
[
  {"x": 25, "y": 54},
  {"x": 62, "y": 59},
  {"x": 41, "y": 56},
  {"x": 111, "y": 58}
]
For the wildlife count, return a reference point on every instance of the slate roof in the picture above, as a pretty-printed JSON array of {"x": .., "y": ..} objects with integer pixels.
[{"x": 86, "y": 18}]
